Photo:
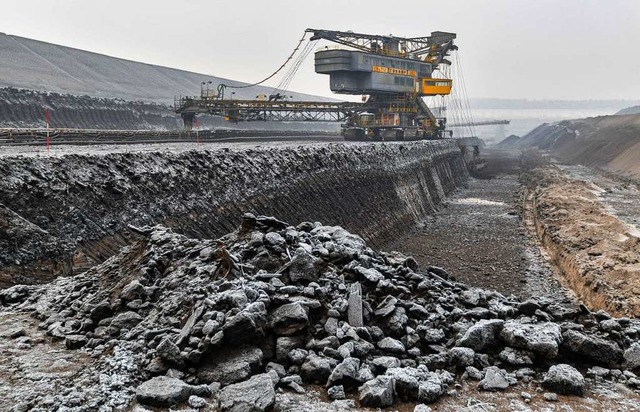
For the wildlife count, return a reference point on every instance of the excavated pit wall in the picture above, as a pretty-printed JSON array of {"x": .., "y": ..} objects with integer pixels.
[{"x": 63, "y": 215}]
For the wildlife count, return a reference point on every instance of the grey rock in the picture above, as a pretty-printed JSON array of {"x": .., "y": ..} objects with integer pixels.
[
  {"x": 529, "y": 307},
  {"x": 632, "y": 356},
  {"x": 289, "y": 319},
  {"x": 516, "y": 357},
  {"x": 494, "y": 380},
  {"x": 133, "y": 290},
  {"x": 170, "y": 352},
  {"x": 163, "y": 391},
  {"x": 550, "y": 397},
  {"x": 430, "y": 389},
  {"x": 234, "y": 298},
  {"x": 474, "y": 373},
  {"x": 482, "y": 335},
  {"x": 471, "y": 297},
  {"x": 541, "y": 338},
  {"x": 14, "y": 333},
  {"x": 382, "y": 363},
  {"x": 345, "y": 373},
  {"x": 331, "y": 326},
  {"x": 336, "y": 392},
  {"x": 407, "y": 381},
  {"x": 126, "y": 320},
  {"x": 210, "y": 327},
  {"x": 372, "y": 275},
  {"x": 275, "y": 378},
  {"x": 564, "y": 379},
  {"x": 462, "y": 357},
  {"x": 254, "y": 395},
  {"x": 293, "y": 382},
  {"x": 396, "y": 322},
  {"x": 386, "y": 307},
  {"x": 75, "y": 341},
  {"x": 610, "y": 325},
  {"x": 101, "y": 311},
  {"x": 598, "y": 371},
  {"x": 286, "y": 344},
  {"x": 377, "y": 393},
  {"x": 304, "y": 266},
  {"x": 297, "y": 356},
  {"x": 591, "y": 347},
  {"x": 354, "y": 310},
  {"x": 422, "y": 408},
  {"x": 391, "y": 345},
  {"x": 274, "y": 239},
  {"x": 197, "y": 402},
  {"x": 316, "y": 369},
  {"x": 247, "y": 326},
  {"x": 429, "y": 335},
  {"x": 365, "y": 373},
  {"x": 278, "y": 368},
  {"x": 230, "y": 365},
  {"x": 157, "y": 366}
]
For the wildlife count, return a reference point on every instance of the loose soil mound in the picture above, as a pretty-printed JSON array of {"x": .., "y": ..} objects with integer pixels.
[{"x": 599, "y": 257}]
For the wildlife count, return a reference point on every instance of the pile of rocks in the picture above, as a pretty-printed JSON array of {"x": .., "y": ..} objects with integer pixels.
[{"x": 272, "y": 306}]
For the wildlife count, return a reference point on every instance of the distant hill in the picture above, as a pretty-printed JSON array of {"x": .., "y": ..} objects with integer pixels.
[
  {"x": 629, "y": 110},
  {"x": 510, "y": 141},
  {"x": 36, "y": 65},
  {"x": 606, "y": 141}
]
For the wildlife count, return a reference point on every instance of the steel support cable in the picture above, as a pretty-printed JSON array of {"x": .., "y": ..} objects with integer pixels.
[
  {"x": 277, "y": 71},
  {"x": 288, "y": 77},
  {"x": 456, "y": 100},
  {"x": 465, "y": 95},
  {"x": 288, "y": 74}
]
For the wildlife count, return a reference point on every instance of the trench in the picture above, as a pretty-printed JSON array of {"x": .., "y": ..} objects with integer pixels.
[
  {"x": 63, "y": 215},
  {"x": 481, "y": 237}
]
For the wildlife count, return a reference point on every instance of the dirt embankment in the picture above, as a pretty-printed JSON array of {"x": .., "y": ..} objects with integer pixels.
[
  {"x": 63, "y": 215},
  {"x": 20, "y": 108},
  {"x": 611, "y": 142},
  {"x": 598, "y": 253}
]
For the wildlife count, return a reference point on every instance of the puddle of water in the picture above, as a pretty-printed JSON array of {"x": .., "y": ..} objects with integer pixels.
[
  {"x": 634, "y": 231},
  {"x": 476, "y": 201},
  {"x": 621, "y": 238}
]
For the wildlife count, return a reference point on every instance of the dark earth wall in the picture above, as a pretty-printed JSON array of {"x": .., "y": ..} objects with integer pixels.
[{"x": 61, "y": 215}]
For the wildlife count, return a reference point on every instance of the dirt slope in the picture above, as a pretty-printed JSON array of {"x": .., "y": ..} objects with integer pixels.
[
  {"x": 606, "y": 141},
  {"x": 37, "y": 65}
]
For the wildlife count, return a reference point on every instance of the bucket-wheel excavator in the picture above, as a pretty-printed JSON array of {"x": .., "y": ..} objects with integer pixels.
[
  {"x": 395, "y": 73},
  {"x": 392, "y": 73}
]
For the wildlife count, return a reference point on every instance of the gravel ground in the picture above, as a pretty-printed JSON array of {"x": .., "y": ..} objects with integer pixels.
[{"x": 480, "y": 238}]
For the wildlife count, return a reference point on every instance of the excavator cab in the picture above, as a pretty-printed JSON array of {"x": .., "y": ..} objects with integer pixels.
[{"x": 434, "y": 87}]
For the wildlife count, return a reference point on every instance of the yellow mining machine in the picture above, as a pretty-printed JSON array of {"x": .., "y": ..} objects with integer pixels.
[{"x": 392, "y": 73}]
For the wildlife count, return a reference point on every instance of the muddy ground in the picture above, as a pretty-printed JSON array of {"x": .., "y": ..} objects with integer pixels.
[{"x": 480, "y": 237}]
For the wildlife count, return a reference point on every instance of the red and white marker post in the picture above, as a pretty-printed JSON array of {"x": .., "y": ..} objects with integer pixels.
[
  {"x": 46, "y": 121},
  {"x": 195, "y": 124}
]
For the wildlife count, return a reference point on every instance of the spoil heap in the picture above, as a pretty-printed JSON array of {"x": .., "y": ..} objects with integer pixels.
[{"x": 270, "y": 306}]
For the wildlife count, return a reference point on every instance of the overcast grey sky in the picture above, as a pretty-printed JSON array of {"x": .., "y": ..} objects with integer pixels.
[{"x": 536, "y": 49}]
